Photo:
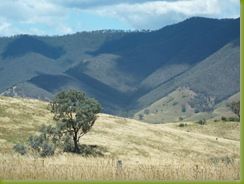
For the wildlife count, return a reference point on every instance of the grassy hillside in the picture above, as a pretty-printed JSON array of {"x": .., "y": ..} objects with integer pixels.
[
  {"x": 172, "y": 108},
  {"x": 123, "y": 138},
  {"x": 183, "y": 104},
  {"x": 148, "y": 151},
  {"x": 20, "y": 118},
  {"x": 222, "y": 109}
]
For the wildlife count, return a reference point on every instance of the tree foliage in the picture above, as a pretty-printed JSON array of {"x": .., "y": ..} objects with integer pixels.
[{"x": 75, "y": 114}]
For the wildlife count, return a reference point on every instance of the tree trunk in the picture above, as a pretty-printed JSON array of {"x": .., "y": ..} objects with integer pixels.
[{"x": 75, "y": 138}]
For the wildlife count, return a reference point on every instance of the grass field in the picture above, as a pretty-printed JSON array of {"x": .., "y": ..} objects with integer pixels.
[
  {"x": 73, "y": 167},
  {"x": 147, "y": 151}
]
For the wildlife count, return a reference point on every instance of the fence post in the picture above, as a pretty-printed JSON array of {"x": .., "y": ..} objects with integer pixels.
[
  {"x": 43, "y": 169},
  {"x": 119, "y": 167}
]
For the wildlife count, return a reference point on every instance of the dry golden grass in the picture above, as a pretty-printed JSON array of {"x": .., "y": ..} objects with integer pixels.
[
  {"x": 220, "y": 129},
  {"x": 19, "y": 118},
  {"x": 73, "y": 167},
  {"x": 148, "y": 151}
]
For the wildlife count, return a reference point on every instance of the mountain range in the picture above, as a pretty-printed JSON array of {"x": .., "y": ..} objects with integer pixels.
[{"x": 129, "y": 71}]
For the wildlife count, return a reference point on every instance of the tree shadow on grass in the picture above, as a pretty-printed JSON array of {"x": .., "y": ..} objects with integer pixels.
[{"x": 91, "y": 150}]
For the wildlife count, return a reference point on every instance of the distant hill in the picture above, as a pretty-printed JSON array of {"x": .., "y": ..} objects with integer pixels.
[
  {"x": 183, "y": 104},
  {"x": 126, "y": 71},
  {"x": 209, "y": 83}
]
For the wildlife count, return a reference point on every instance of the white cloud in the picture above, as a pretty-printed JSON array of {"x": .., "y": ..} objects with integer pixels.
[
  {"x": 33, "y": 17},
  {"x": 64, "y": 29},
  {"x": 28, "y": 11},
  {"x": 50, "y": 16},
  {"x": 83, "y": 4},
  {"x": 156, "y": 14},
  {"x": 4, "y": 26}
]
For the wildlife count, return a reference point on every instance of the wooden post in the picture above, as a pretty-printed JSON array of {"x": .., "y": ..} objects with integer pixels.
[
  {"x": 119, "y": 167},
  {"x": 43, "y": 168}
]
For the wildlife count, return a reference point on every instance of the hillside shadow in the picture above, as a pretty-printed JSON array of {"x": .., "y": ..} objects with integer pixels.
[
  {"x": 187, "y": 42},
  {"x": 25, "y": 44}
]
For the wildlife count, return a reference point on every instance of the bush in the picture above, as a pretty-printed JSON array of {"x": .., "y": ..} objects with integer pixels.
[
  {"x": 20, "y": 148},
  {"x": 48, "y": 149},
  {"x": 223, "y": 118},
  {"x": 35, "y": 142},
  {"x": 140, "y": 116},
  {"x": 41, "y": 145},
  {"x": 202, "y": 122},
  {"x": 225, "y": 159},
  {"x": 182, "y": 125}
]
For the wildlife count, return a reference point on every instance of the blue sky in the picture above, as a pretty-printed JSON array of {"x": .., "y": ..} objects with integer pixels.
[{"x": 58, "y": 17}]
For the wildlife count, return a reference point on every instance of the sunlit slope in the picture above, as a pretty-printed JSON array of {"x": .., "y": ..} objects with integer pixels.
[
  {"x": 183, "y": 104},
  {"x": 123, "y": 138}
]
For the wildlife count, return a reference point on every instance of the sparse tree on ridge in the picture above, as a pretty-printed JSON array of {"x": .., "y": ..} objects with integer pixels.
[{"x": 75, "y": 113}]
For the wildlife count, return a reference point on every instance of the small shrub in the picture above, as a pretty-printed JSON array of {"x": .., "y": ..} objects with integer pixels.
[
  {"x": 223, "y": 118},
  {"x": 202, "y": 122},
  {"x": 20, "y": 148},
  {"x": 47, "y": 149},
  {"x": 41, "y": 145},
  {"x": 35, "y": 142},
  {"x": 225, "y": 160},
  {"x": 182, "y": 125},
  {"x": 140, "y": 116},
  {"x": 175, "y": 103}
]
